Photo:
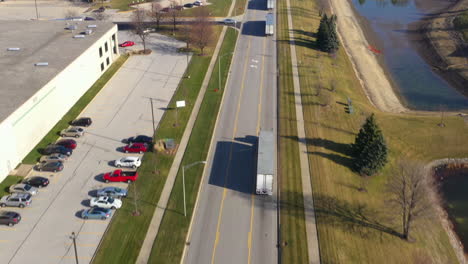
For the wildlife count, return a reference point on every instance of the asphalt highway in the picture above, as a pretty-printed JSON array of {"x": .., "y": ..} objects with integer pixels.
[{"x": 231, "y": 223}]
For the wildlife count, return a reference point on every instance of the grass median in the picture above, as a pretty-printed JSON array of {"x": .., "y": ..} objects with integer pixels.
[
  {"x": 169, "y": 242},
  {"x": 126, "y": 233},
  {"x": 7, "y": 182},
  {"x": 53, "y": 135},
  {"x": 344, "y": 237}
]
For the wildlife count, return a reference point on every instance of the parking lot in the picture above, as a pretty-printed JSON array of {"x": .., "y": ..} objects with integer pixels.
[{"x": 121, "y": 110}]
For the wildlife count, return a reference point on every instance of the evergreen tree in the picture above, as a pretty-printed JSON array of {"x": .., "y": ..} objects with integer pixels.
[
  {"x": 369, "y": 148},
  {"x": 327, "y": 38}
]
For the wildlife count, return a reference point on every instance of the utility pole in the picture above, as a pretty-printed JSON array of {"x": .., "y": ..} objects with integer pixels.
[
  {"x": 183, "y": 181},
  {"x": 37, "y": 13},
  {"x": 152, "y": 114},
  {"x": 73, "y": 237}
]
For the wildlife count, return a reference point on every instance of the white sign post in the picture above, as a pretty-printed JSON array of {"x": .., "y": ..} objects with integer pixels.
[{"x": 179, "y": 104}]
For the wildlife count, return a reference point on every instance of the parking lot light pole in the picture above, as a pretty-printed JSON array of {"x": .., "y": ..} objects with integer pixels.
[
  {"x": 73, "y": 237},
  {"x": 219, "y": 68},
  {"x": 183, "y": 180}
]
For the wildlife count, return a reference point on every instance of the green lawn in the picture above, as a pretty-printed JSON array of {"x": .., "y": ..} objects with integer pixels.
[
  {"x": 169, "y": 243},
  {"x": 289, "y": 174},
  {"x": 352, "y": 224},
  {"x": 73, "y": 113},
  {"x": 7, "y": 182},
  {"x": 219, "y": 8},
  {"x": 125, "y": 235}
]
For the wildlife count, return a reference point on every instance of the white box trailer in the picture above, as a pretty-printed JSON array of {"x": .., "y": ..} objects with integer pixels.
[
  {"x": 270, "y": 4},
  {"x": 265, "y": 162},
  {"x": 269, "y": 25}
]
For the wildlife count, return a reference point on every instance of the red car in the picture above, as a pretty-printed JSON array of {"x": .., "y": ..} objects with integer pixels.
[
  {"x": 136, "y": 148},
  {"x": 68, "y": 143},
  {"x": 121, "y": 176},
  {"x": 127, "y": 44}
]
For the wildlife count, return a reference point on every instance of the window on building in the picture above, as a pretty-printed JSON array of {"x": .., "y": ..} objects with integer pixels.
[
  {"x": 100, "y": 52},
  {"x": 102, "y": 66},
  {"x": 107, "y": 61},
  {"x": 106, "y": 48},
  {"x": 115, "y": 50}
]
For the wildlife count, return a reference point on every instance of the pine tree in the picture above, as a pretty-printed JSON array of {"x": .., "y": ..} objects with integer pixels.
[
  {"x": 369, "y": 148},
  {"x": 327, "y": 38}
]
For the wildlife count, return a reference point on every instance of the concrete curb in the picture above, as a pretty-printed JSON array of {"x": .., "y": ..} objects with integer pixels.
[
  {"x": 153, "y": 228},
  {"x": 309, "y": 213}
]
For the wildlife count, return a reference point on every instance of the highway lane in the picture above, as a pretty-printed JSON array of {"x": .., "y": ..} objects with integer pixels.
[{"x": 232, "y": 225}]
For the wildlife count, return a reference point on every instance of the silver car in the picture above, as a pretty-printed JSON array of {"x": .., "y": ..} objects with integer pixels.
[
  {"x": 72, "y": 132},
  {"x": 23, "y": 188},
  {"x": 54, "y": 157},
  {"x": 16, "y": 199}
]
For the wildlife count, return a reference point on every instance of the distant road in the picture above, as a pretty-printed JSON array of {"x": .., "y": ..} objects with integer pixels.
[{"x": 232, "y": 225}]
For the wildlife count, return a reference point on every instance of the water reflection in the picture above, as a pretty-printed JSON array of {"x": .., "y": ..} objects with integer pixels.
[{"x": 420, "y": 87}]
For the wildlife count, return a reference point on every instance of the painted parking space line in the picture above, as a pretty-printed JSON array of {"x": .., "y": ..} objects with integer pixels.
[
  {"x": 7, "y": 229},
  {"x": 4, "y": 241}
]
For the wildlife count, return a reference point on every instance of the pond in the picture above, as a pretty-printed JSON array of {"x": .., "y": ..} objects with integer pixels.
[
  {"x": 392, "y": 21},
  {"x": 453, "y": 188}
]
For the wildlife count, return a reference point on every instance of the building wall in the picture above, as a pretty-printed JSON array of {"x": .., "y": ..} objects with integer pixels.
[{"x": 25, "y": 128}]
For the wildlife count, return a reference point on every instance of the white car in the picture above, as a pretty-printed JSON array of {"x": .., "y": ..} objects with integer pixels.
[
  {"x": 129, "y": 162},
  {"x": 106, "y": 202}
]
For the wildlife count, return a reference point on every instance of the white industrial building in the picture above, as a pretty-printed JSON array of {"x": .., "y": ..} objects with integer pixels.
[{"x": 45, "y": 67}]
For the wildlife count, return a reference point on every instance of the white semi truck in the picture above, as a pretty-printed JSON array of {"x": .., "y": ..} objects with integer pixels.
[
  {"x": 265, "y": 162},
  {"x": 269, "y": 25}
]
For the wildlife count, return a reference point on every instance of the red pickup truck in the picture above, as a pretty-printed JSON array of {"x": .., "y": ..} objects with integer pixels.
[{"x": 121, "y": 176}]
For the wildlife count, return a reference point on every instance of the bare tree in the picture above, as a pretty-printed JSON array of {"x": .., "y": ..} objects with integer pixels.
[
  {"x": 409, "y": 188},
  {"x": 174, "y": 14},
  {"x": 138, "y": 23},
  {"x": 202, "y": 30},
  {"x": 156, "y": 14},
  {"x": 101, "y": 16}
]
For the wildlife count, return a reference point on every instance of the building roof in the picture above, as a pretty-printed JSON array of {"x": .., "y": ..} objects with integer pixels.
[
  {"x": 39, "y": 41},
  {"x": 266, "y": 152}
]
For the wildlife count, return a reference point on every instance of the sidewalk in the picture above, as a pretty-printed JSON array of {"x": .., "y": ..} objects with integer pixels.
[
  {"x": 153, "y": 228},
  {"x": 311, "y": 228}
]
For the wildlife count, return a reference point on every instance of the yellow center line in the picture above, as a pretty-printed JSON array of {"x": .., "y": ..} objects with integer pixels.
[
  {"x": 249, "y": 241},
  {"x": 230, "y": 154}
]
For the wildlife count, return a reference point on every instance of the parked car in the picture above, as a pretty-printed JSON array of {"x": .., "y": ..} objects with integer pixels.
[
  {"x": 68, "y": 143},
  {"x": 23, "y": 188},
  {"x": 37, "y": 181},
  {"x": 197, "y": 3},
  {"x": 52, "y": 148},
  {"x": 188, "y": 5},
  {"x": 52, "y": 166},
  {"x": 9, "y": 218},
  {"x": 166, "y": 9},
  {"x": 127, "y": 44},
  {"x": 106, "y": 202},
  {"x": 89, "y": 18},
  {"x": 54, "y": 157},
  {"x": 72, "y": 132},
  {"x": 96, "y": 213},
  {"x": 121, "y": 176},
  {"x": 112, "y": 192},
  {"x": 128, "y": 162},
  {"x": 16, "y": 199},
  {"x": 82, "y": 121},
  {"x": 140, "y": 139},
  {"x": 229, "y": 21},
  {"x": 136, "y": 148}
]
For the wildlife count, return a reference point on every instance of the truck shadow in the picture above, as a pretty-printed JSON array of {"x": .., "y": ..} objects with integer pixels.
[
  {"x": 254, "y": 28},
  {"x": 234, "y": 164}
]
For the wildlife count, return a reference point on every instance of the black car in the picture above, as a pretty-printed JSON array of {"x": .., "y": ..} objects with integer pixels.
[
  {"x": 53, "y": 166},
  {"x": 140, "y": 139},
  {"x": 9, "y": 218},
  {"x": 82, "y": 121},
  {"x": 51, "y": 149},
  {"x": 37, "y": 181},
  {"x": 188, "y": 5},
  {"x": 89, "y": 18}
]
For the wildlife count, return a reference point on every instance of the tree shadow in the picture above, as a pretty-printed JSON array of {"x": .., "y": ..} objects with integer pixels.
[
  {"x": 354, "y": 217},
  {"x": 305, "y": 33},
  {"x": 338, "y": 159}
]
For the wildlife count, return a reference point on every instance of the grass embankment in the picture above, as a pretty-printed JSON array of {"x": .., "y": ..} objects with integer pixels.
[
  {"x": 289, "y": 173},
  {"x": 126, "y": 233},
  {"x": 53, "y": 135},
  {"x": 7, "y": 182},
  {"x": 351, "y": 223},
  {"x": 169, "y": 243},
  {"x": 460, "y": 23}
]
